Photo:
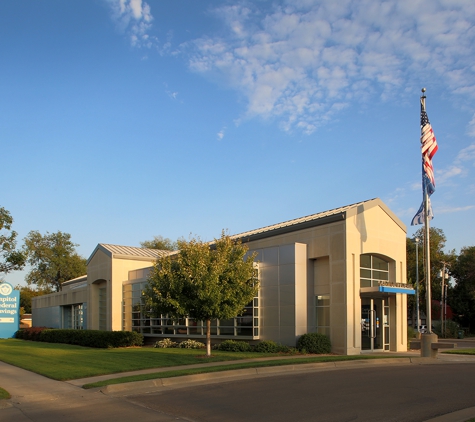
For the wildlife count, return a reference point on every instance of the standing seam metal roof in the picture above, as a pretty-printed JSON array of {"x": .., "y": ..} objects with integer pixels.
[
  {"x": 134, "y": 251},
  {"x": 297, "y": 221}
]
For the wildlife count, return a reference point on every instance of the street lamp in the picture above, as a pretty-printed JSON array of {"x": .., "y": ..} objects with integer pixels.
[{"x": 417, "y": 240}]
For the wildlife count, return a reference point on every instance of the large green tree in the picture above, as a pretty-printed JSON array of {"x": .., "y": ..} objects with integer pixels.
[
  {"x": 11, "y": 259},
  {"x": 437, "y": 241},
  {"x": 53, "y": 259},
  {"x": 203, "y": 281},
  {"x": 160, "y": 242},
  {"x": 462, "y": 299}
]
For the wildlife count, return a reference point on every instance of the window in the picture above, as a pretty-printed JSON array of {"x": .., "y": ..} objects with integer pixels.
[
  {"x": 135, "y": 318},
  {"x": 102, "y": 309},
  {"x": 373, "y": 270},
  {"x": 322, "y": 313}
]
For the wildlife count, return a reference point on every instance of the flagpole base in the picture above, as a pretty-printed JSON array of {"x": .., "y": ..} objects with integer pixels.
[{"x": 426, "y": 345}]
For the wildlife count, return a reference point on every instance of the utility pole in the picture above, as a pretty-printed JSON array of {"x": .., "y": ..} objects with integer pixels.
[
  {"x": 443, "y": 299},
  {"x": 417, "y": 240}
]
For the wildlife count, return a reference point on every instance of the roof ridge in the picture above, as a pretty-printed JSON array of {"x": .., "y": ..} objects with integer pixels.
[{"x": 299, "y": 220}]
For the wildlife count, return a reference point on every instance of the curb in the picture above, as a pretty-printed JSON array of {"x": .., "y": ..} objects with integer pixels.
[{"x": 136, "y": 387}]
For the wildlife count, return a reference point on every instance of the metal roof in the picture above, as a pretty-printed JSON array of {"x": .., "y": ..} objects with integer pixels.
[
  {"x": 325, "y": 217},
  {"x": 118, "y": 251}
]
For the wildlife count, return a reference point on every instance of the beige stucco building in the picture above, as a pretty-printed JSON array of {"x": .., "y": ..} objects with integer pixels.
[{"x": 341, "y": 272}]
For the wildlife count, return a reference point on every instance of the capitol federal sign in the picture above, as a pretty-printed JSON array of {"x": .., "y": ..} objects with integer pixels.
[{"x": 9, "y": 310}]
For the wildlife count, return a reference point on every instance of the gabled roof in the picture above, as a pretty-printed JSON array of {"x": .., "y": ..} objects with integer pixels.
[
  {"x": 325, "y": 217},
  {"x": 129, "y": 252}
]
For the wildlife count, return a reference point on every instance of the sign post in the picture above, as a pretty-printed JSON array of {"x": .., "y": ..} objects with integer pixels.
[{"x": 9, "y": 310}]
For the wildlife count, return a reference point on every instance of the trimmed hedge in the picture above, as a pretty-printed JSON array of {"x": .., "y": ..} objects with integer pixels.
[
  {"x": 86, "y": 338},
  {"x": 314, "y": 343}
]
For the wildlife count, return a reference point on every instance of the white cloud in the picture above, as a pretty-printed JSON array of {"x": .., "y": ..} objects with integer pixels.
[
  {"x": 220, "y": 134},
  {"x": 303, "y": 56},
  {"x": 134, "y": 17},
  {"x": 448, "y": 210}
]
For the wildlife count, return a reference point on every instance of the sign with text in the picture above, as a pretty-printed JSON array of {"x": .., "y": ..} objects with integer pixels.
[{"x": 9, "y": 310}]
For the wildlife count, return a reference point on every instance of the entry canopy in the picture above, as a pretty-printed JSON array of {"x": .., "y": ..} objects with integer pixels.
[{"x": 388, "y": 288}]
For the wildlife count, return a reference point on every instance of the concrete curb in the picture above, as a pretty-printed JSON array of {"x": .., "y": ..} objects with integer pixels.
[{"x": 136, "y": 387}]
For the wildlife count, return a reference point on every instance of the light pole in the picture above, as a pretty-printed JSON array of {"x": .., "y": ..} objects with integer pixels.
[{"x": 417, "y": 240}]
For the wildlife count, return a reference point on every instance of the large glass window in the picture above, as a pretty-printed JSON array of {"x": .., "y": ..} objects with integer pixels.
[
  {"x": 135, "y": 318},
  {"x": 322, "y": 313},
  {"x": 373, "y": 270}
]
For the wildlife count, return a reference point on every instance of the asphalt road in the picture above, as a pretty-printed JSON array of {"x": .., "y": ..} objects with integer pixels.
[{"x": 394, "y": 393}]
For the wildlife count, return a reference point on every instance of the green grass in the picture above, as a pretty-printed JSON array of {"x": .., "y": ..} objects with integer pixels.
[
  {"x": 64, "y": 362},
  {"x": 461, "y": 351},
  {"x": 220, "y": 368},
  {"x": 4, "y": 394}
]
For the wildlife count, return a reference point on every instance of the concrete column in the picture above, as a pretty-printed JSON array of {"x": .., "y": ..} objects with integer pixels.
[{"x": 426, "y": 345}]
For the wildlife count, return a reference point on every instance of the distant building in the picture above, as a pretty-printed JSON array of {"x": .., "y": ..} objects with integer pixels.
[{"x": 340, "y": 272}]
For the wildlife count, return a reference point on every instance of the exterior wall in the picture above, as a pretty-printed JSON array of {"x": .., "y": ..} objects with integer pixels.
[
  {"x": 373, "y": 229},
  {"x": 103, "y": 271},
  {"x": 47, "y": 317},
  {"x": 324, "y": 274},
  {"x": 283, "y": 292}
]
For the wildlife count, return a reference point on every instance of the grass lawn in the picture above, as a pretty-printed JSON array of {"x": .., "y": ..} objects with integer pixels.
[
  {"x": 63, "y": 362},
  {"x": 4, "y": 394},
  {"x": 220, "y": 368},
  {"x": 461, "y": 351}
]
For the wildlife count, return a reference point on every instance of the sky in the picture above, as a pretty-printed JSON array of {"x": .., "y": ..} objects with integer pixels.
[{"x": 121, "y": 120}]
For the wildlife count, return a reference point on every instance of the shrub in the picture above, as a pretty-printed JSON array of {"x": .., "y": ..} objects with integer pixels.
[
  {"x": 269, "y": 346},
  {"x": 31, "y": 333},
  {"x": 314, "y": 343},
  {"x": 234, "y": 346},
  {"x": 86, "y": 338},
  {"x": 191, "y": 344},
  {"x": 166, "y": 343}
]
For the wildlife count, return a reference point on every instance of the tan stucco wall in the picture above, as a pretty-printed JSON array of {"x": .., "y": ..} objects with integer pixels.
[
  {"x": 373, "y": 229},
  {"x": 112, "y": 273}
]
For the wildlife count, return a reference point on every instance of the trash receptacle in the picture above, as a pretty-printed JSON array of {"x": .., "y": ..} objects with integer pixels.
[{"x": 460, "y": 334}]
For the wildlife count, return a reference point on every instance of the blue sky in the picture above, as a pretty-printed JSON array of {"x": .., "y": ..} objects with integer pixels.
[{"x": 125, "y": 119}]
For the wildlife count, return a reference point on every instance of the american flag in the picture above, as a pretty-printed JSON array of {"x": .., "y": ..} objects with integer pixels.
[{"x": 429, "y": 148}]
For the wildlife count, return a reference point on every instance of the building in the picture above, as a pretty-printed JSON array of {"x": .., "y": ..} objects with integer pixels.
[{"x": 340, "y": 272}]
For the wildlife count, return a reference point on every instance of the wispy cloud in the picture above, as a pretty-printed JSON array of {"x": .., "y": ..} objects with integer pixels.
[
  {"x": 134, "y": 17},
  {"x": 220, "y": 134},
  {"x": 305, "y": 60}
]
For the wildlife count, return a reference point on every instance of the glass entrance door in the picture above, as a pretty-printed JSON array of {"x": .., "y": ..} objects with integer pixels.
[{"x": 371, "y": 324}]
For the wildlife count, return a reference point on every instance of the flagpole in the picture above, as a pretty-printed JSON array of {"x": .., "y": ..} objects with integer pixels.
[{"x": 427, "y": 241}]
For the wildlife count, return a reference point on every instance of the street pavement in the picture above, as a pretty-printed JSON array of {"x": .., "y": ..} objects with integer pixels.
[{"x": 37, "y": 398}]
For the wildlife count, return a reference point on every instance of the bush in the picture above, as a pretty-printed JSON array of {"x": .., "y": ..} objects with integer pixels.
[
  {"x": 86, "y": 338},
  {"x": 31, "y": 333},
  {"x": 451, "y": 329},
  {"x": 191, "y": 344},
  {"x": 166, "y": 343},
  {"x": 234, "y": 346},
  {"x": 269, "y": 346},
  {"x": 314, "y": 343}
]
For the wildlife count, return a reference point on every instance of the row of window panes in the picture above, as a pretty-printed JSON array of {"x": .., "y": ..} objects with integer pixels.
[
  {"x": 373, "y": 270},
  {"x": 134, "y": 318}
]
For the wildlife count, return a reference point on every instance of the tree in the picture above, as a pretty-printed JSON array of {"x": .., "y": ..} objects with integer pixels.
[
  {"x": 161, "y": 243},
  {"x": 10, "y": 258},
  {"x": 53, "y": 258},
  {"x": 437, "y": 241},
  {"x": 462, "y": 299},
  {"x": 203, "y": 281}
]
